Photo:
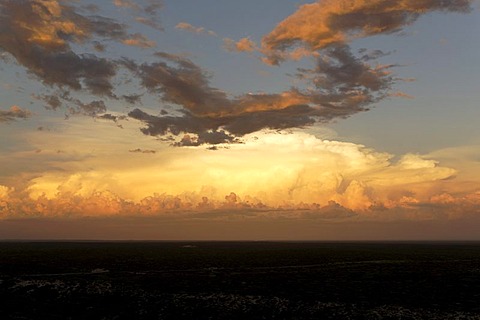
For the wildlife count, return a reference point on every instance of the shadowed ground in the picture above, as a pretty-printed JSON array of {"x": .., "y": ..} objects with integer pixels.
[{"x": 239, "y": 280}]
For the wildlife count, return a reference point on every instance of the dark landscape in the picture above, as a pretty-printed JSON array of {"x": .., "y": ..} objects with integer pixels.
[{"x": 239, "y": 280}]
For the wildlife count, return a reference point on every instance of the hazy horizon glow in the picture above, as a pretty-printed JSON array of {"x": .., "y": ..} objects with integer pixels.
[{"x": 324, "y": 120}]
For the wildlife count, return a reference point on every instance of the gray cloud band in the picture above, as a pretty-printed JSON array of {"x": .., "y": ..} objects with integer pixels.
[{"x": 344, "y": 85}]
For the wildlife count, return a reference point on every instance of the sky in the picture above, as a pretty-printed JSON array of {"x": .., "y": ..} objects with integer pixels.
[{"x": 240, "y": 120}]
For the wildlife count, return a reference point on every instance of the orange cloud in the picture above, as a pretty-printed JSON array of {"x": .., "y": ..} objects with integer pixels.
[
  {"x": 138, "y": 40},
  {"x": 324, "y": 23},
  {"x": 344, "y": 85},
  {"x": 51, "y": 24},
  {"x": 199, "y": 30},
  {"x": 126, "y": 4},
  {"x": 292, "y": 174},
  {"x": 4, "y": 191},
  {"x": 242, "y": 45},
  {"x": 15, "y": 112},
  {"x": 39, "y": 34}
]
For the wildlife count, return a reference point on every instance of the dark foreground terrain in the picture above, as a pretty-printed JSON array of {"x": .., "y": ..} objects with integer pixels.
[{"x": 239, "y": 280}]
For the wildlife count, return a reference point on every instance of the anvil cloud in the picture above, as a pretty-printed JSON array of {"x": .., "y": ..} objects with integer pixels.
[{"x": 149, "y": 108}]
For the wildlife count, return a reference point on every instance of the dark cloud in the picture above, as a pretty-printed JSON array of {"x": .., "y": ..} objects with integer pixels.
[
  {"x": 52, "y": 102},
  {"x": 293, "y": 116},
  {"x": 14, "y": 113},
  {"x": 133, "y": 98},
  {"x": 196, "y": 130},
  {"x": 340, "y": 84},
  {"x": 142, "y": 151},
  {"x": 344, "y": 85},
  {"x": 208, "y": 112},
  {"x": 228, "y": 129},
  {"x": 74, "y": 106},
  {"x": 372, "y": 55},
  {"x": 372, "y": 17},
  {"x": 99, "y": 47},
  {"x": 89, "y": 109},
  {"x": 152, "y": 7},
  {"x": 162, "y": 125},
  {"x": 206, "y": 137},
  {"x": 111, "y": 117},
  {"x": 38, "y": 35},
  {"x": 182, "y": 83}
]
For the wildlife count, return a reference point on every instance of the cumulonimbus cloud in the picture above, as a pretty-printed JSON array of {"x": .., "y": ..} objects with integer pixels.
[{"x": 321, "y": 178}]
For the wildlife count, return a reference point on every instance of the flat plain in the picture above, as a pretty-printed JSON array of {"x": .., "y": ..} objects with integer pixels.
[{"x": 239, "y": 280}]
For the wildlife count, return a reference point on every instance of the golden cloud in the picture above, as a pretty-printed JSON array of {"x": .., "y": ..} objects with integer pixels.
[
  {"x": 242, "y": 45},
  {"x": 199, "y": 30},
  {"x": 292, "y": 172},
  {"x": 330, "y": 22}
]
